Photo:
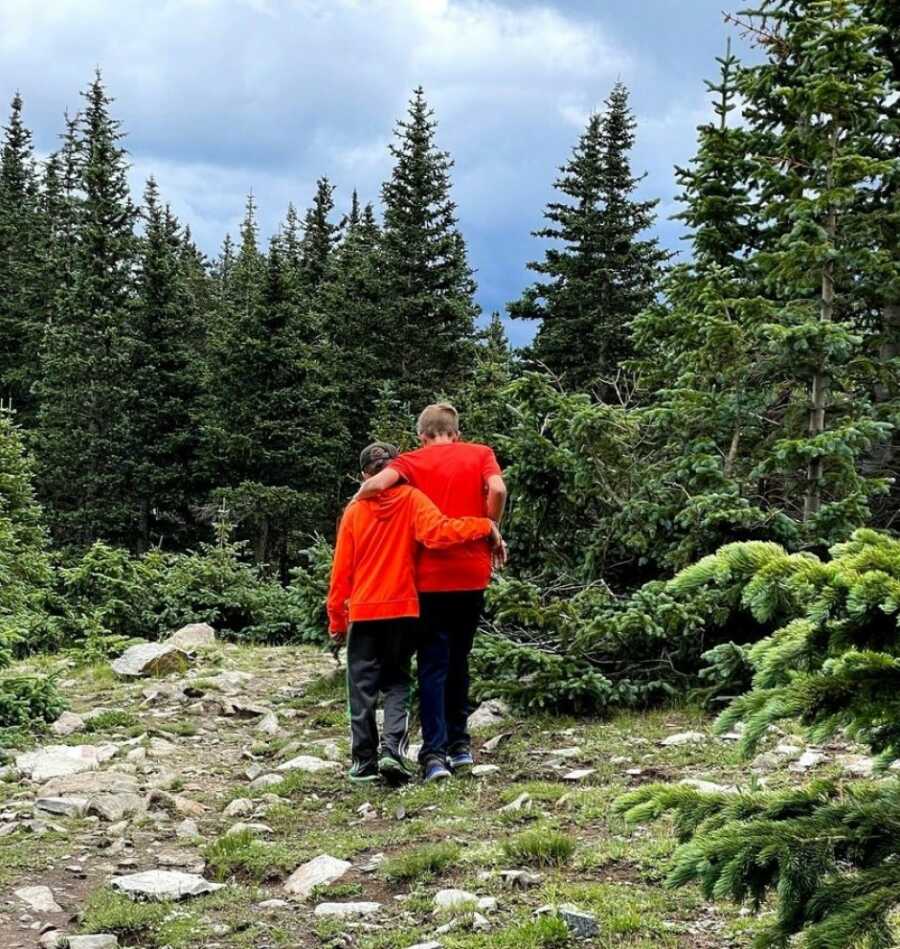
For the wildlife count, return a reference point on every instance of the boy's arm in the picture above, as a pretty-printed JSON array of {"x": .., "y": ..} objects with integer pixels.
[
  {"x": 434, "y": 530},
  {"x": 377, "y": 483},
  {"x": 496, "y": 498},
  {"x": 341, "y": 585}
]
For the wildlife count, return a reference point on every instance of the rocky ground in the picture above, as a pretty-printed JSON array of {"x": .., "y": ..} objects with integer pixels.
[{"x": 208, "y": 807}]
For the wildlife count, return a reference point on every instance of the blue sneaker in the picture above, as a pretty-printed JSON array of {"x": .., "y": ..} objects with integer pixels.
[
  {"x": 434, "y": 769},
  {"x": 461, "y": 761}
]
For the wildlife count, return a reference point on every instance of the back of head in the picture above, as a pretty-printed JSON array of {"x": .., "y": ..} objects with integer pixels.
[
  {"x": 373, "y": 458},
  {"x": 438, "y": 419}
]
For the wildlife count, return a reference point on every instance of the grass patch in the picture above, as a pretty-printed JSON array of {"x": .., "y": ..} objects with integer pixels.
[
  {"x": 336, "y": 891},
  {"x": 544, "y": 791},
  {"x": 183, "y": 728},
  {"x": 114, "y": 718},
  {"x": 540, "y": 847},
  {"x": 245, "y": 856},
  {"x": 423, "y": 863}
]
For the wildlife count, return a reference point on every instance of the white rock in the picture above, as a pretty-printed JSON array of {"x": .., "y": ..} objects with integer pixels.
[
  {"x": 811, "y": 758},
  {"x": 708, "y": 787},
  {"x": 151, "y": 659},
  {"x": 266, "y": 781},
  {"x": 454, "y": 899},
  {"x": 39, "y": 898},
  {"x": 345, "y": 910},
  {"x": 161, "y": 748},
  {"x": 859, "y": 766},
  {"x": 329, "y": 749},
  {"x": 62, "y": 806},
  {"x": 320, "y": 871},
  {"x": 231, "y": 681},
  {"x": 187, "y": 828},
  {"x": 521, "y": 878},
  {"x": 487, "y": 904},
  {"x": 268, "y": 725},
  {"x": 492, "y": 744},
  {"x": 116, "y": 807},
  {"x": 100, "y": 941},
  {"x": 239, "y": 807},
  {"x": 257, "y": 829},
  {"x": 55, "y": 761},
  {"x": 193, "y": 636},
  {"x": 522, "y": 802},
  {"x": 66, "y": 724},
  {"x": 427, "y": 945},
  {"x": 491, "y": 712},
  {"x": 164, "y": 885},
  {"x": 683, "y": 738},
  {"x": 565, "y": 752},
  {"x": 89, "y": 783},
  {"x": 274, "y": 904},
  {"x": 579, "y": 774},
  {"x": 309, "y": 764},
  {"x": 786, "y": 750},
  {"x": 580, "y": 924},
  {"x": 483, "y": 770}
]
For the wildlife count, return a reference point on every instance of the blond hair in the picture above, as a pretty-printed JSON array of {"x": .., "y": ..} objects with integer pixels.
[{"x": 438, "y": 419}]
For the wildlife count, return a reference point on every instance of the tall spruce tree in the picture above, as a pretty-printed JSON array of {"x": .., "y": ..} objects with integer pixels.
[
  {"x": 21, "y": 316},
  {"x": 84, "y": 434},
  {"x": 429, "y": 286},
  {"x": 604, "y": 273},
  {"x": 319, "y": 237}
]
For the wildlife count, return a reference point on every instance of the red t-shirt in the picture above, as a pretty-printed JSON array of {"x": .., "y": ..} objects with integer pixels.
[{"x": 454, "y": 475}]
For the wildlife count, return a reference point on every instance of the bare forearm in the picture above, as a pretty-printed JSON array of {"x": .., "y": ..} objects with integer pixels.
[{"x": 496, "y": 502}]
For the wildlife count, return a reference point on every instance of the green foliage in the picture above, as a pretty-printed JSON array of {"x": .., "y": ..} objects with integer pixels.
[
  {"x": 246, "y": 856},
  {"x": 539, "y": 847},
  {"x": 308, "y": 591},
  {"x": 422, "y": 863},
  {"x": 28, "y": 701}
]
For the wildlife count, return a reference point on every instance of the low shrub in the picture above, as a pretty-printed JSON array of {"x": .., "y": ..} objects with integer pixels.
[{"x": 26, "y": 701}]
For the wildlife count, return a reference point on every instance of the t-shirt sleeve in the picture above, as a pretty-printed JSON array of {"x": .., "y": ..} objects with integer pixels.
[
  {"x": 489, "y": 465},
  {"x": 404, "y": 468}
]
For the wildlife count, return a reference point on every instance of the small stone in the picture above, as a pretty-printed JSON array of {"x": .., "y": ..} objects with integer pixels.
[
  {"x": 683, "y": 738},
  {"x": 579, "y": 774},
  {"x": 487, "y": 904},
  {"x": 180, "y": 858},
  {"x": 427, "y": 945},
  {"x": 330, "y": 750},
  {"x": 187, "y": 828},
  {"x": 492, "y": 744},
  {"x": 193, "y": 636},
  {"x": 268, "y": 725},
  {"x": 787, "y": 750},
  {"x": 521, "y": 878},
  {"x": 580, "y": 924},
  {"x": 231, "y": 681},
  {"x": 308, "y": 764},
  {"x": 522, "y": 802},
  {"x": 454, "y": 899},
  {"x": 374, "y": 862},
  {"x": 488, "y": 713},
  {"x": 161, "y": 748},
  {"x": 157, "y": 659},
  {"x": 811, "y": 758},
  {"x": 366, "y": 810},
  {"x": 708, "y": 787},
  {"x": 480, "y": 923},
  {"x": 565, "y": 752},
  {"x": 164, "y": 885},
  {"x": 62, "y": 806},
  {"x": 99, "y": 941},
  {"x": 256, "y": 829},
  {"x": 346, "y": 910},
  {"x": 175, "y": 804},
  {"x": 239, "y": 807},
  {"x": 320, "y": 871},
  {"x": 39, "y": 898},
  {"x": 483, "y": 770},
  {"x": 66, "y": 724},
  {"x": 265, "y": 781}
]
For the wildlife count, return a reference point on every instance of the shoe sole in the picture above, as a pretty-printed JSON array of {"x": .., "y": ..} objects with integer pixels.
[
  {"x": 440, "y": 776},
  {"x": 367, "y": 779},
  {"x": 462, "y": 768},
  {"x": 393, "y": 771}
]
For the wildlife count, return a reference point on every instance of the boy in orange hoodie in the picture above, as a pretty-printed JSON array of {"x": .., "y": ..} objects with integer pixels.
[{"x": 373, "y": 593}]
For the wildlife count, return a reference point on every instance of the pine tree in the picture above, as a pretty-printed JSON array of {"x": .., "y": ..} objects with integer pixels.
[
  {"x": 86, "y": 394},
  {"x": 21, "y": 319},
  {"x": 484, "y": 402},
  {"x": 429, "y": 285},
  {"x": 319, "y": 236},
  {"x": 605, "y": 273},
  {"x": 166, "y": 328}
]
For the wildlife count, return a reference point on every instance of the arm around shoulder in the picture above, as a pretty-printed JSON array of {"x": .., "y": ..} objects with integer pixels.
[{"x": 377, "y": 483}]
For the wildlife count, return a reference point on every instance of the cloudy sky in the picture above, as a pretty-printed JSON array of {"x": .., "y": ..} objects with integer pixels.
[{"x": 223, "y": 96}]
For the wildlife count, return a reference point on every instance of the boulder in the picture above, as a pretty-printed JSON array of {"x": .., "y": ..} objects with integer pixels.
[
  {"x": 163, "y": 885},
  {"x": 345, "y": 910},
  {"x": 488, "y": 713},
  {"x": 151, "y": 659},
  {"x": 38, "y": 898},
  {"x": 320, "y": 871},
  {"x": 62, "y": 806},
  {"x": 66, "y": 724},
  {"x": 265, "y": 781},
  {"x": 99, "y": 941},
  {"x": 582, "y": 925},
  {"x": 454, "y": 899},
  {"x": 116, "y": 807},
  {"x": 55, "y": 761},
  {"x": 309, "y": 764},
  {"x": 89, "y": 783},
  {"x": 193, "y": 636},
  {"x": 683, "y": 738}
]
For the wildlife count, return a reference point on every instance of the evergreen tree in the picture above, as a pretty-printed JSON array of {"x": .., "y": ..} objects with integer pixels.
[
  {"x": 84, "y": 433},
  {"x": 484, "y": 401},
  {"x": 605, "y": 273},
  {"x": 429, "y": 285},
  {"x": 21, "y": 318},
  {"x": 166, "y": 328},
  {"x": 319, "y": 236}
]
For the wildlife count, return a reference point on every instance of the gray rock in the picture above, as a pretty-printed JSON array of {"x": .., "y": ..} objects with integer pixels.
[
  {"x": 116, "y": 807},
  {"x": 483, "y": 770},
  {"x": 187, "y": 828},
  {"x": 55, "y": 761},
  {"x": 38, "y": 898},
  {"x": 309, "y": 764},
  {"x": 193, "y": 636},
  {"x": 163, "y": 885},
  {"x": 579, "y": 774},
  {"x": 274, "y": 904},
  {"x": 427, "y": 945},
  {"x": 859, "y": 766},
  {"x": 683, "y": 738},
  {"x": 346, "y": 910},
  {"x": 708, "y": 787},
  {"x": 266, "y": 781},
  {"x": 580, "y": 924},
  {"x": 66, "y": 724},
  {"x": 268, "y": 725},
  {"x": 231, "y": 681},
  {"x": 319, "y": 871},
  {"x": 62, "y": 806},
  {"x": 492, "y": 744},
  {"x": 565, "y": 752},
  {"x": 100, "y": 941},
  {"x": 488, "y": 713},
  {"x": 454, "y": 899},
  {"x": 145, "y": 659},
  {"x": 811, "y": 758},
  {"x": 329, "y": 749},
  {"x": 257, "y": 829},
  {"x": 239, "y": 807},
  {"x": 521, "y": 803},
  {"x": 161, "y": 748},
  {"x": 521, "y": 878}
]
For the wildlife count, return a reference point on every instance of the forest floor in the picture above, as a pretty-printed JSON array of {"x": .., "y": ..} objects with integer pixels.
[{"x": 188, "y": 747}]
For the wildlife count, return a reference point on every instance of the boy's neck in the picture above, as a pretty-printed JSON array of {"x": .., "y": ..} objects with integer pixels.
[{"x": 440, "y": 440}]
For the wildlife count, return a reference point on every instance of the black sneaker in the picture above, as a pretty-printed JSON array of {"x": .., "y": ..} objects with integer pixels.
[
  {"x": 393, "y": 768},
  {"x": 364, "y": 772}
]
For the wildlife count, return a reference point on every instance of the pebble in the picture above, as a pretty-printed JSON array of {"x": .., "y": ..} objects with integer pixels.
[
  {"x": 483, "y": 770},
  {"x": 38, "y": 898}
]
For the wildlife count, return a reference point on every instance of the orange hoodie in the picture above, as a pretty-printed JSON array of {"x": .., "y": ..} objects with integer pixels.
[{"x": 374, "y": 573}]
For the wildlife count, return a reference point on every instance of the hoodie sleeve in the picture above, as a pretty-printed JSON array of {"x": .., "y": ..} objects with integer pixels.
[
  {"x": 435, "y": 530},
  {"x": 341, "y": 577}
]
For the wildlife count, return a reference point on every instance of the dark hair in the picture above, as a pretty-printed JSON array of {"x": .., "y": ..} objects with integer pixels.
[{"x": 376, "y": 456}]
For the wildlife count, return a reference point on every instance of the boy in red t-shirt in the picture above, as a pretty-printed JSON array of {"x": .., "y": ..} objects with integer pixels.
[{"x": 462, "y": 479}]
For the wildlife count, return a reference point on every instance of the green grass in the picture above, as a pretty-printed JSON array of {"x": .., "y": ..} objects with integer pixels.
[
  {"x": 245, "y": 856},
  {"x": 114, "y": 718},
  {"x": 540, "y": 847},
  {"x": 183, "y": 728},
  {"x": 336, "y": 891},
  {"x": 423, "y": 863}
]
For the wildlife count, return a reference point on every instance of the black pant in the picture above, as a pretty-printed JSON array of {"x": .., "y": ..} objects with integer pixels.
[
  {"x": 379, "y": 653},
  {"x": 448, "y": 625}
]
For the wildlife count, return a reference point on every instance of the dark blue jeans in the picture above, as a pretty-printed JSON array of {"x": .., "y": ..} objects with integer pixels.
[{"x": 447, "y": 630}]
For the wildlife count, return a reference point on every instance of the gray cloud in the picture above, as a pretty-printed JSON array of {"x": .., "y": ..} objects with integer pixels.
[{"x": 223, "y": 96}]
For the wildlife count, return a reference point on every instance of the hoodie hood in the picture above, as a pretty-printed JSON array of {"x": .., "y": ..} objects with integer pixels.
[{"x": 387, "y": 503}]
